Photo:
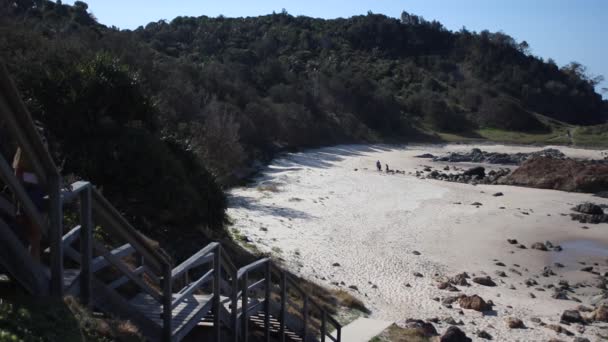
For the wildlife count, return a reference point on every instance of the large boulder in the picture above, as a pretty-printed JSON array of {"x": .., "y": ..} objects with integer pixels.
[
  {"x": 474, "y": 302},
  {"x": 460, "y": 279},
  {"x": 601, "y": 313},
  {"x": 485, "y": 281},
  {"x": 421, "y": 327},
  {"x": 540, "y": 246},
  {"x": 454, "y": 334},
  {"x": 560, "y": 174},
  {"x": 572, "y": 316},
  {"x": 589, "y": 208},
  {"x": 514, "y": 323},
  {"x": 478, "y": 171}
]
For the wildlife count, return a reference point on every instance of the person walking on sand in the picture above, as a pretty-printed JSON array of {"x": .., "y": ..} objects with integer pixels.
[
  {"x": 387, "y": 169},
  {"x": 379, "y": 166}
]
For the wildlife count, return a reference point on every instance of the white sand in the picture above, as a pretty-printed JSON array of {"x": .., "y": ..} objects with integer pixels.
[{"x": 371, "y": 222}]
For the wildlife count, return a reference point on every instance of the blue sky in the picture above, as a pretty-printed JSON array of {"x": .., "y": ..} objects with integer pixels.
[{"x": 565, "y": 30}]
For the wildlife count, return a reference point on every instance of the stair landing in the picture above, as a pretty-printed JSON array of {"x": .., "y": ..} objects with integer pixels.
[{"x": 186, "y": 315}]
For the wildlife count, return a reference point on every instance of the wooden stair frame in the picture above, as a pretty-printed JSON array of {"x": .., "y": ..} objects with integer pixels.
[{"x": 229, "y": 296}]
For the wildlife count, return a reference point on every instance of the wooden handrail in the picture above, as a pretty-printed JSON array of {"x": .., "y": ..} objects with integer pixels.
[
  {"x": 251, "y": 267},
  {"x": 116, "y": 262},
  {"x": 6, "y": 173},
  {"x": 24, "y": 130},
  {"x": 207, "y": 277},
  {"x": 103, "y": 210},
  {"x": 194, "y": 260},
  {"x": 286, "y": 281}
]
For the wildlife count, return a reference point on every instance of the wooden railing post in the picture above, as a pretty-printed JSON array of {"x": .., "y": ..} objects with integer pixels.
[
  {"x": 55, "y": 236},
  {"x": 244, "y": 320},
  {"x": 323, "y": 325},
  {"x": 267, "y": 288},
  {"x": 234, "y": 313},
  {"x": 86, "y": 245},
  {"x": 283, "y": 304},
  {"x": 305, "y": 318},
  {"x": 339, "y": 333},
  {"x": 217, "y": 275},
  {"x": 167, "y": 301}
]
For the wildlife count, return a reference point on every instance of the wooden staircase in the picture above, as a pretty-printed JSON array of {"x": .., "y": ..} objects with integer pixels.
[{"x": 117, "y": 270}]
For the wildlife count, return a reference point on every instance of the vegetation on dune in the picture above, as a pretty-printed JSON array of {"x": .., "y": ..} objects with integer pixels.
[
  {"x": 394, "y": 333},
  {"x": 42, "y": 320},
  {"x": 160, "y": 115}
]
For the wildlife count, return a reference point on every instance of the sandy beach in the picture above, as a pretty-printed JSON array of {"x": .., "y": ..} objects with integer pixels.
[{"x": 329, "y": 216}]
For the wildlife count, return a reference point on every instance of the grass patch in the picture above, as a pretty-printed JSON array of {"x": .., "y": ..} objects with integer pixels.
[
  {"x": 347, "y": 300},
  {"x": 555, "y": 136},
  {"x": 594, "y": 136},
  {"x": 48, "y": 319},
  {"x": 396, "y": 334},
  {"x": 28, "y": 319},
  {"x": 270, "y": 187}
]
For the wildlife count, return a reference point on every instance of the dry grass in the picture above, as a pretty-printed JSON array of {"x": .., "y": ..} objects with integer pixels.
[
  {"x": 396, "y": 334},
  {"x": 102, "y": 329},
  {"x": 347, "y": 300},
  {"x": 270, "y": 187}
]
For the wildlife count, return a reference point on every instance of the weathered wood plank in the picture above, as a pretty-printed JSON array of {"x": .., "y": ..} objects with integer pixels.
[
  {"x": 192, "y": 287},
  {"x": 110, "y": 301},
  {"x": 67, "y": 196},
  {"x": 7, "y": 174},
  {"x": 55, "y": 212},
  {"x": 22, "y": 127},
  {"x": 116, "y": 262},
  {"x": 184, "y": 317},
  {"x": 101, "y": 262},
  {"x": 257, "y": 284},
  {"x": 124, "y": 279},
  {"x": 71, "y": 236},
  {"x": 251, "y": 267},
  {"x": 86, "y": 242},
  {"x": 197, "y": 259}
]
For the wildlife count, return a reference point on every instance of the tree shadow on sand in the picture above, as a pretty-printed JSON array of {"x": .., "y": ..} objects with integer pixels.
[
  {"x": 322, "y": 158},
  {"x": 253, "y": 205}
]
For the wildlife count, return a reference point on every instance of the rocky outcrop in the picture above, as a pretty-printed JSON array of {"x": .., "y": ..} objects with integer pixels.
[
  {"x": 421, "y": 327},
  {"x": 478, "y": 156},
  {"x": 589, "y": 208},
  {"x": 600, "y": 314},
  {"x": 572, "y": 316},
  {"x": 540, "y": 246},
  {"x": 589, "y": 213},
  {"x": 474, "y": 302},
  {"x": 560, "y": 174},
  {"x": 475, "y": 175},
  {"x": 485, "y": 281},
  {"x": 514, "y": 323},
  {"x": 454, "y": 334}
]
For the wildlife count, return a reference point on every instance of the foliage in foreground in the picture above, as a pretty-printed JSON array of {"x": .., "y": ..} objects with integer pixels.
[{"x": 50, "y": 320}]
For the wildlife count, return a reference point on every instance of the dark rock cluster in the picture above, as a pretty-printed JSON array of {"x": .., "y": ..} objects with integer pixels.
[
  {"x": 474, "y": 175},
  {"x": 589, "y": 213},
  {"x": 478, "y": 156}
]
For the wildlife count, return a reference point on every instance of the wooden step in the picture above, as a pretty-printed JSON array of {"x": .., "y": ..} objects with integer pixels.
[{"x": 186, "y": 315}]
